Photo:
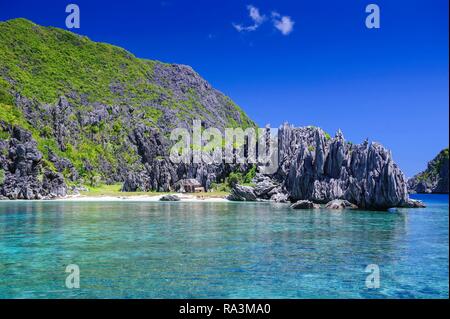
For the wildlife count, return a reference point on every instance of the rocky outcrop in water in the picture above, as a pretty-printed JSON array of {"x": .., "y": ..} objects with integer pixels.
[
  {"x": 170, "y": 198},
  {"x": 317, "y": 168},
  {"x": 305, "y": 204},
  {"x": 22, "y": 175},
  {"x": 434, "y": 179},
  {"x": 280, "y": 198},
  {"x": 414, "y": 203},
  {"x": 340, "y": 204}
]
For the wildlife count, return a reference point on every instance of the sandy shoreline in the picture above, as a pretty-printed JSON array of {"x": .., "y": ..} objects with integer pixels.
[{"x": 139, "y": 198}]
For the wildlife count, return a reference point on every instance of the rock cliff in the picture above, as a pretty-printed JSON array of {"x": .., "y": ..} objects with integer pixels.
[
  {"x": 434, "y": 179},
  {"x": 22, "y": 173},
  {"x": 98, "y": 113},
  {"x": 317, "y": 168},
  {"x": 314, "y": 166}
]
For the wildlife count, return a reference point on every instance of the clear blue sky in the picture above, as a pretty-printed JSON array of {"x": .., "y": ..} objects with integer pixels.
[{"x": 390, "y": 84}]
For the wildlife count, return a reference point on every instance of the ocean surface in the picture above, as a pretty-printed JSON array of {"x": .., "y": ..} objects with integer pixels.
[{"x": 221, "y": 250}]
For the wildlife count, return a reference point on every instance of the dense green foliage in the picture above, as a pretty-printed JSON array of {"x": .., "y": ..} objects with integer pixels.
[
  {"x": 434, "y": 166},
  {"x": 42, "y": 64},
  {"x": 45, "y": 63},
  {"x": 239, "y": 178},
  {"x": 2, "y": 176},
  {"x": 236, "y": 178}
]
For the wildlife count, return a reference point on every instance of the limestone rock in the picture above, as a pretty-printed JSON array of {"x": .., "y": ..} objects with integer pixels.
[
  {"x": 413, "y": 203},
  {"x": 242, "y": 193},
  {"x": 435, "y": 178},
  {"x": 279, "y": 198},
  {"x": 170, "y": 198},
  {"x": 54, "y": 184},
  {"x": 304, "y": 204},
  {"x": 21, "y": 167},
  {"x": 316, "y": 167},
  {"x": 340, "y": 204},
  {"x": 136, "y": 182},
  {"x": 264, "y": 186}
]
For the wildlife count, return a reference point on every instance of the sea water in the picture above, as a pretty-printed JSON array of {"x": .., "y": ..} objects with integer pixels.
[{"x": 127, "y": 249}]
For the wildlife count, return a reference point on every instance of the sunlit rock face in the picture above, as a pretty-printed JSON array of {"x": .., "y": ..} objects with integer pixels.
[{"x": 316, "y": 167}]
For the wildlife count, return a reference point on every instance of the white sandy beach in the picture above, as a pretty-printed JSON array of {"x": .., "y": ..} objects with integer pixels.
[{"x": 138, "y": 198}]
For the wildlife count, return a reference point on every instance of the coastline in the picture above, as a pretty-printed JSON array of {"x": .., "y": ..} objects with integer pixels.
[
  {"x": 209, "y": 197},
  {"x": 113, "y": 196},
  {"x": 143, "y": 198}
]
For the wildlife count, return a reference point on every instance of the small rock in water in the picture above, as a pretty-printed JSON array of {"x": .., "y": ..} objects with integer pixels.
[
  {"x": 170, "y": 198},
  {"x": 414, "y": 203},
  {"x": 304, "y": 204},
  {"x": 340, "y": 204},
  {"x": 279, "y": 198}
]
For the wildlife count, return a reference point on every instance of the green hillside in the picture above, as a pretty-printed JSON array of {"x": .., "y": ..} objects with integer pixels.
[{"x": 84, "y": 100}]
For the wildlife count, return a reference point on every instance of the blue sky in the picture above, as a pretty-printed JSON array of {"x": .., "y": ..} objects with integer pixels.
[{"x": 327, "y": 69}]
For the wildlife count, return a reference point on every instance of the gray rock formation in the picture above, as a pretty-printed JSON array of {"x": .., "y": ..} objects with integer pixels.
[
  {"x": 21, "y": 167},
  {"x": 304, "y": 204},
  {"x": 280, "y": 198},
  {"x": 53, "y": 184},
  {"x": 315, "y": 167},
  {"x": 242, "y": 193},
  {"x": 170, "y": 198},
  {"x": 414, "y": 203},
  {"x": 136, "y": 182},
  {"x": 265, "y": 187},
  {"x": 340, "y": 204},
  {"x": 435, "y": 178},
  {"x": 268, "y": 189},
  {"x": 160, "y": 174}
]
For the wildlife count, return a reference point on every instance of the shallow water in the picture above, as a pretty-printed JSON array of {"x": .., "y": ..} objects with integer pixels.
[{"x": 221, "y": 250}]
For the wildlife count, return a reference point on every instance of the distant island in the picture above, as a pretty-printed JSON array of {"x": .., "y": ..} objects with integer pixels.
[
  {"x": 76, "y": 115},
  {"x": 434, "y": 179}
]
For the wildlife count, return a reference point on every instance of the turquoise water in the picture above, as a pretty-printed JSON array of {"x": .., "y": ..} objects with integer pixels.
[{"x": 220, "y": 250}]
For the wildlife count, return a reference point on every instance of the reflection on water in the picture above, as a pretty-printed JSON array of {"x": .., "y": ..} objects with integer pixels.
[{"x": 220, "y": 250}]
